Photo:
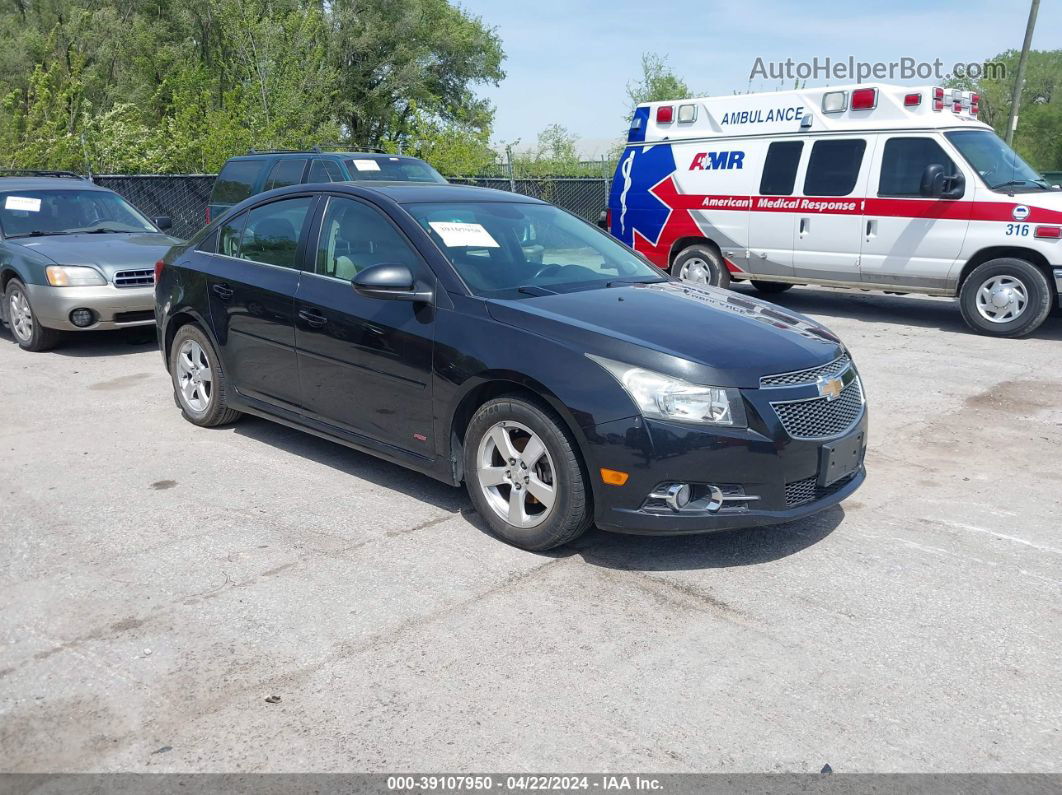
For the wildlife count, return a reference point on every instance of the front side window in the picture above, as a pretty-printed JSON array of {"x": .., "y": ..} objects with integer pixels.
[
  {"x": 236, "y": 181},
  {"x": 34, "y": 213},
  {"x": 780, "y": 168},
  {"x": 833, "y": 168},
  {"x": 284, "y": 173},
  {"x": 354, "y": 237},
  {"x": 903, "y": 162},
  {"x": 511, "y": 249},
  {"x": 272, "y": 231},
  {"x": 229, "y": 236},
  {"x": 999, "y": 166}
]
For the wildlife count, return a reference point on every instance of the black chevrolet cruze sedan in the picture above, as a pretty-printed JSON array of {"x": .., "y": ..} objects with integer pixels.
[{"x": 484, "y": 337}]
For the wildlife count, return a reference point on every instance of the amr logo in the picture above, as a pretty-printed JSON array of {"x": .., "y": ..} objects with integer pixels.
[{"x": 716, "y": 161}]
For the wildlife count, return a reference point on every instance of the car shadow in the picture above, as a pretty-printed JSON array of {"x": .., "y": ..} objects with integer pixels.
[
  {"x": 93, "y": 344},
  {"x": 920, "y": 311},
  {"x": 352, "y": 462},
  {"x": 597, "y": 548}
]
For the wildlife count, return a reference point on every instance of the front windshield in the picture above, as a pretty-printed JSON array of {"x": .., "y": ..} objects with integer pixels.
[
  {"x": 509, "y": 249},
  {"x": 999, "y": 165},
  {"x": 393, "y": 169},
  {"x": 31, "y": 213}
]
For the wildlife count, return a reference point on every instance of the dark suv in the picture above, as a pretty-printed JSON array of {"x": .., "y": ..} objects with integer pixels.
[
  {"x": 485, "y": 337},
  {"x": 243, "y": 176}
]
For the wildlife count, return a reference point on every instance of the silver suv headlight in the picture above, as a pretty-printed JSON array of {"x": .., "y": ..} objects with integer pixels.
[
  {"x": 668, "y": 398},
  {"x": 74, "y": 276}
]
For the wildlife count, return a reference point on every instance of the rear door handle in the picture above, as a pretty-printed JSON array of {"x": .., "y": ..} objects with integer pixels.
[
  {"x": 872, "y": 229},
  {"x": 805, "y": 223},
  {"x": 312, "y": 318},
  {"x": 223, "y": 291}
]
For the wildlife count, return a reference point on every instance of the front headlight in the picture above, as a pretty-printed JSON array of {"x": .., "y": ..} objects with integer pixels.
[
  {"x": 74, "y": 276},
  {"x": 668, "y": 398}
]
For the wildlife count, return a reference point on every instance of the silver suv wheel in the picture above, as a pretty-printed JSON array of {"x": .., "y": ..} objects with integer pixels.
[{"x": 20, "y": 315}]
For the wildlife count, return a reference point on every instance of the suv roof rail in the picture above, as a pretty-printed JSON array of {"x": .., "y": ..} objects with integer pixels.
[
  {"x": 30, "y": 172},
  {"x": 316, "y": 150}
]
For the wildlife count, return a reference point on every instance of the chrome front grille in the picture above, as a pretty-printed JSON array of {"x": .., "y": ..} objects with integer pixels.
[
  {"x": 138, "y": 278},
  {"x": 810, "y": 376},
  {"x": 820, "y": 418}
]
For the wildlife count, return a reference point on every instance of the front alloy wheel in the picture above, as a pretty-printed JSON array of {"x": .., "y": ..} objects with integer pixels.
[
  {"x": 524, "y": 474},
  {"x": 29, "y": 333}
]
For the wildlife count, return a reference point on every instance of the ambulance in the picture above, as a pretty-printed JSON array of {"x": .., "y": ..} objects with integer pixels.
[{"x": 876, "y": 187}]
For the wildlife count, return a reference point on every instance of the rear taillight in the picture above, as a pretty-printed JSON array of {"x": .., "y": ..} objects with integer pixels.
[
  {"x": 158, "y": 270},
  {"x": 208, "y": 216}
]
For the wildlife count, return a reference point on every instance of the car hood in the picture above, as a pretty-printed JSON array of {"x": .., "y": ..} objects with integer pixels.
[
  {"x": 702, "y": 334},
  {"x": 108, "y": 252}
]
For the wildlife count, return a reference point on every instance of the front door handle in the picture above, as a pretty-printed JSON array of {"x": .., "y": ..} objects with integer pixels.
[
  {"x": 872, "y": 230},
  {"x": 805, "y": 224},
  {"x": 312, "y": 318},
  {"x": 223, "y": 291}
]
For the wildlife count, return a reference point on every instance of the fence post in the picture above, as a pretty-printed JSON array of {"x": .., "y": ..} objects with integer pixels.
[{"x": 509, "y": 163}]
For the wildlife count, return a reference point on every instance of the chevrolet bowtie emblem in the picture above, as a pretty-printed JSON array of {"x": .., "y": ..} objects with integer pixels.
[{"x": 830, "y": 388}]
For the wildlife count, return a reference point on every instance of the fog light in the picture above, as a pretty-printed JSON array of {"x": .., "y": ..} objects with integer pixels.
[
  {"x": 82, "y": 318},
  {"x": 677, "y": 496}
]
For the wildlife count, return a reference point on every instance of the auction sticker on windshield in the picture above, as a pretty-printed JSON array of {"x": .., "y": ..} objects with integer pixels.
[
  {"x": 366, "y": 165},
  {"x": 456, "y": 234},
  {"x": 24, "y": 203}
]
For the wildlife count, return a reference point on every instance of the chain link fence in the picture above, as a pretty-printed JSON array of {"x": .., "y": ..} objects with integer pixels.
[{"x": 183, "y": 197}]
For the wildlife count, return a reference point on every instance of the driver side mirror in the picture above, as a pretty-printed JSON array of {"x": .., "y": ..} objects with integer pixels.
[
  {"x": 390, "y": 283},
  {"x": 163, "y": 222},
  {"x": 936, "y": 185}
]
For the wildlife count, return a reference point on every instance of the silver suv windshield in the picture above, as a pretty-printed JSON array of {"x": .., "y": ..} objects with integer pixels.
[
  {"x": 36, "y": 213},
  {"x": 511, "y": 249},
  {"x": 999, "y": 166}
]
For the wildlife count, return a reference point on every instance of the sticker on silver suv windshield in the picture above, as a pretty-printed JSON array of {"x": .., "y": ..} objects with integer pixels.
[
  {"x": 24, "y": 203},
  {"x": 456, "y": 234},
  {"x": 366, "y": 165}
]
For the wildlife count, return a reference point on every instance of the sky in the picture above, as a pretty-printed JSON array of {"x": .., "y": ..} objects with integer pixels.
[{"x": 569, "y": 61}]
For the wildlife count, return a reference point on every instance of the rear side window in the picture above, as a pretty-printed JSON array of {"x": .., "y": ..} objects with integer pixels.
[
  {"x": 272, "y": 231},
  {"x": 284, "y": 173},
  {"x": 322, "y": 170},
  {"x": 236, "y": 181},
  {"x": 780, "y": 168},
  {"x": 834, "y": 167},
  {"x": 903, "y": 162}
]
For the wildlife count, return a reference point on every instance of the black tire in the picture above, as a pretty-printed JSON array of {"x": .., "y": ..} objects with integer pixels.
[
  {"x": 571, "y": 512},
  {"x": 700, "y": 258},
  {"x": 39, "y": 337},
  {"x": 1032, "y": 280},
  {"x": 215, "y": 412},
  {"x": 771, "y": 287}
]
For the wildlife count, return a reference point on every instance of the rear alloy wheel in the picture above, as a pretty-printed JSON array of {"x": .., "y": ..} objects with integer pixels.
[
  {"x": 770, "y": 287},
  {"x": 701, "y": 265},
  {"x": 199, "y": 383},
  {"x": 1005, "y": 297},
  {"x": 524, "y": 476},
  {"x": 29, "y": 333}
]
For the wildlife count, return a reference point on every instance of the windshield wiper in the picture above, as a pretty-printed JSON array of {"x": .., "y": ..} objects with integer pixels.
[
  {"x": 634, "y": 280},
  {"x": 1015, "y": 182},
  {"x": 38, "y": 233},
  {"x": 104, "y": 230}
]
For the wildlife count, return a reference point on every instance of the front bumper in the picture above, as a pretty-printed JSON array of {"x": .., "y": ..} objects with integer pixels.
[
  {"x": 762, "y": 461},
  {"x": 113, "y": 307}
]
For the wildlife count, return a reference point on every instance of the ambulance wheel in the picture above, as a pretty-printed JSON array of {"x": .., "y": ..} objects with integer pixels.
[
  {"x": 1005, "y": 297},
  {"x": 701, "y": 265},
  {"x": 770, "y": 287}
]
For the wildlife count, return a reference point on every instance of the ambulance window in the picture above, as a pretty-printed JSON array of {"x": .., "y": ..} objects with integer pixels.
[
  {"x": 903, "y": 162},
  {"x": 834, "y": 167},
  {"x": 780, "y": 168}
]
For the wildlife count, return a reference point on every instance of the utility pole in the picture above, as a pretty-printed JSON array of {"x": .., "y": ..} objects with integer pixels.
[
  {"x": 509, "y": 162},
  {"x": 1019, "y": 79}
]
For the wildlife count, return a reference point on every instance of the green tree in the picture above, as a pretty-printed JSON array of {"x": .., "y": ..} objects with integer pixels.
[{"x": 657, "y": 82}]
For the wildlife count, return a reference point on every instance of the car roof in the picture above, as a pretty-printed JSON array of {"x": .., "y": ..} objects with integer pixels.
[
  {"x": 415, "y": 192},
  {"x": 44, "y": 183},
  {"x": 310, "y": 153}
]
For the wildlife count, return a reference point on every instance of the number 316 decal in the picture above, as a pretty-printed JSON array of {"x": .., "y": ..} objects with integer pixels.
[{"x": 1020, "y": 230}]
